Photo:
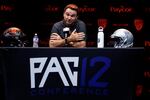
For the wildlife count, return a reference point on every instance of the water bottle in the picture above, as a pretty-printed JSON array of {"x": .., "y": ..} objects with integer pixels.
[
  {"x": 35, "y": 40},
  {"x": 100, "y": 38}
]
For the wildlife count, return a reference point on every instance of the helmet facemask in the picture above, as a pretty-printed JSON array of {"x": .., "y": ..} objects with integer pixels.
[{"x": 122, "y": 38}]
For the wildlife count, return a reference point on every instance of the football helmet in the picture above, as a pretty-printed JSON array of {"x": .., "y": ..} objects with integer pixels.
[
  {"x": 122, "y": 38},
  {"x": 13, "y": 37}
]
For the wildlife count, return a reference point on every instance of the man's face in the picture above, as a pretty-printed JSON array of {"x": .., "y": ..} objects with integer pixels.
[{"x": 70, "y": 16}]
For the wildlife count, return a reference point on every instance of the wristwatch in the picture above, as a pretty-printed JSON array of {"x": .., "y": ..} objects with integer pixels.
[{"x": 66, "y": 41}]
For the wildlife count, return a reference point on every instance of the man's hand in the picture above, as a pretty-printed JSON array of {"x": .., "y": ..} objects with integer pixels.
[
  {"x": 74, "y": 36},
  {"x": 55, "y": 36}
]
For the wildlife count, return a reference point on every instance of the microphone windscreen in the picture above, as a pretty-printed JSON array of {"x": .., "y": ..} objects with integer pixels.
[{"x": 66, "y": 31}]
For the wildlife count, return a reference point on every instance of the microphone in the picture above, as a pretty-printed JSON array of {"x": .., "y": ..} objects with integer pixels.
[{"x": 66, "y": 32}]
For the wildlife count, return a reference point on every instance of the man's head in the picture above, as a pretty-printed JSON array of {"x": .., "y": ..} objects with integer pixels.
[{"x": 70, "y": 14}]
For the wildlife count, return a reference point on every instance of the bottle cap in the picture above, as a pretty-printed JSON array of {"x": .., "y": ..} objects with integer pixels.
[{"x": 100, "y": 29}]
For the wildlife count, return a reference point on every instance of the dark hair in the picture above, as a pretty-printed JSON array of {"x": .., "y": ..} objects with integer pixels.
[{"x": 72, "y": 6}]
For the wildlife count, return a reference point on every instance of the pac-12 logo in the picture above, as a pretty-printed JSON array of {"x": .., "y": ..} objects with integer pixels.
[{"x": 55, "y": 66}]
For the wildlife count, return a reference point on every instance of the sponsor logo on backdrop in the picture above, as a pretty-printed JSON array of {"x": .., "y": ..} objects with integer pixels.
[
  {"x": 120, "y": 24},
  {"x": 147, "y": 43},
  {"x": 147, "y": 74},
  {"x": 147, "y": 9},
  {"x": 102, "y": 22},
  {"x": 8, "y": 23},
  {"x": 87, "y": 9},
  {"x": 121, "y": 9},
  {"x": 51, "y": 8},
  {"x": 91, "y": 43},
  {"x": 139, "y": 90},
  {"x": 72, "y": 76},
  {"x": 6, "y": 8},
  {"x": 138, "y": 23}
]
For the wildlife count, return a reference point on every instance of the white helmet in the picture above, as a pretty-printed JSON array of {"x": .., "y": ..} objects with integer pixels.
[{"x": 123, "y": 38}]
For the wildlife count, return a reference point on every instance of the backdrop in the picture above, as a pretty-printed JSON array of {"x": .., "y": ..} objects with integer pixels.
[{"x": 38, "y": 16}]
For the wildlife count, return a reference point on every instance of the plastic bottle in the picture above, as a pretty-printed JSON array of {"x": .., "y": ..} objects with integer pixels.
[
  {"x": 35, "y": 40},
  {"x": 100, "y": 38}
]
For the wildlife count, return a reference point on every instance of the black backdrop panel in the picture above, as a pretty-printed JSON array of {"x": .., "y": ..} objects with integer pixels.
[{"x": 39, "y": 16}]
